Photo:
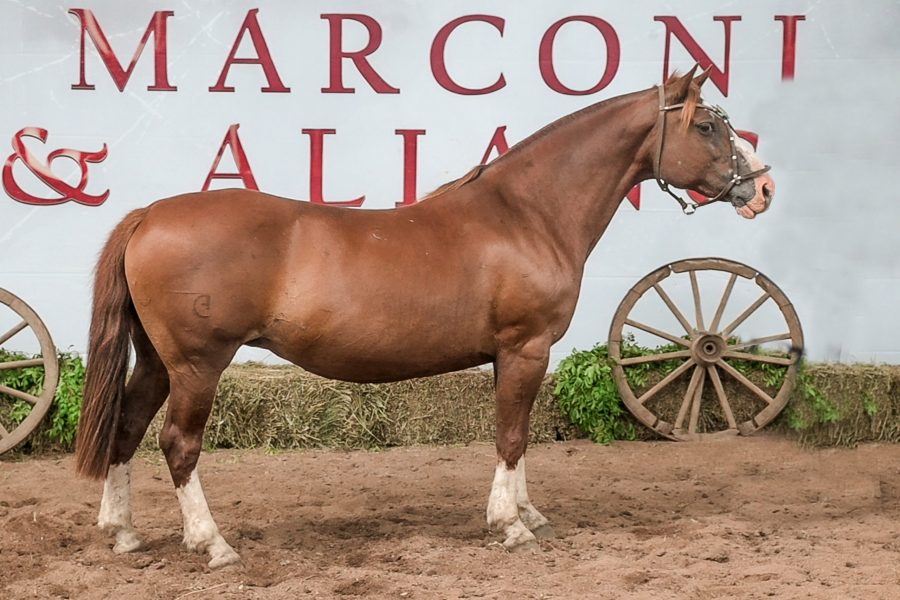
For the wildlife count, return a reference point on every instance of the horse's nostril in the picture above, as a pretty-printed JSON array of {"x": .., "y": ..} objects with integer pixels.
[{"x": 767, "y": 192}]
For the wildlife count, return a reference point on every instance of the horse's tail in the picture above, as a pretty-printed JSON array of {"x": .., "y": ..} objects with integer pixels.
[{"x": 109, "y": 352}]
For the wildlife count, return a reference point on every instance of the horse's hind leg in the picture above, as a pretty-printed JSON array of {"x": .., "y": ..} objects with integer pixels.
[
  {"x": 181, "y": 438},
  {"x": 519, "y": 374},
  {"x": 145, "y": 393}
]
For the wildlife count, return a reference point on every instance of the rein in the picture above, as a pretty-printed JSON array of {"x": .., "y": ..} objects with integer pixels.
[{"x": 686, "y": 206}]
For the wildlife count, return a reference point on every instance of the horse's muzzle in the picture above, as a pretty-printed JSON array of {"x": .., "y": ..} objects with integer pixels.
[{"x": 762, "y": 199}]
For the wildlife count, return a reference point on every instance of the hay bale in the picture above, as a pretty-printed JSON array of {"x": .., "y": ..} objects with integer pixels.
[
  {"x": 284, "y": 407},
  {"x": 843, "y": 405}
]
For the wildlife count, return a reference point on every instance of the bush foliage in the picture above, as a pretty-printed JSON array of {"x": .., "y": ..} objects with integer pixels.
[
  {"x": 589, "y": 398},
  {"x": 59, "y": 425}
]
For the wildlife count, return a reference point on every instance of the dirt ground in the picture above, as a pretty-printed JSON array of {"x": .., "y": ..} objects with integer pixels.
[{"x": 743, "y": 518}]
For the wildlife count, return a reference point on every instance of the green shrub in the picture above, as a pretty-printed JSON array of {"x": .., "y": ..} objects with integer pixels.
[
  {"x": 62, "y": 418},
  {"x": 588, "y": 395}
]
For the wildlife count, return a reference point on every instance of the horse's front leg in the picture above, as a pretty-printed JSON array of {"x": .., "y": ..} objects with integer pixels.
[
  {"x": 530, "y": 516},
  {"x": 519, "y": 373}
]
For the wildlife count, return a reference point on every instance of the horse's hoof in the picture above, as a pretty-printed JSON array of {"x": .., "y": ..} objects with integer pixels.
[
  {"x": 222, "y": 556},
  {"x": 127, "y": 541},
  {"x": 229, "y": 558},
  {"x": 529, "y": 546},
  {"x": 544, "y": 532}
]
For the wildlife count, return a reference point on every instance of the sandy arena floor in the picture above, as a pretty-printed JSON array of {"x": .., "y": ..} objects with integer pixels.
[{"x": 744, "y": 518}]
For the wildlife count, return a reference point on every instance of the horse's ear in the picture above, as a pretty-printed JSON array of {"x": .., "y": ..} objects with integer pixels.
[
  {"x": 702, "y": 77},
  {"x": 677, "y": 87}
]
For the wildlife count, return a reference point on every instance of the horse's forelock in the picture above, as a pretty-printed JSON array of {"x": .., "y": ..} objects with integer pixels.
[
  {"x": 690, "y": 105},
  {"x": 691, "y": 100}
]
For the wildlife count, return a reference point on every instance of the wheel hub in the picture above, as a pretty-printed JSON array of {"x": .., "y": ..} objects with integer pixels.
[{"x": 708, "y": 348}]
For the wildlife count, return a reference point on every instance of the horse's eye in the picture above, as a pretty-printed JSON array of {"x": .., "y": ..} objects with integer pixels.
[{"x": 705, "y": 127}]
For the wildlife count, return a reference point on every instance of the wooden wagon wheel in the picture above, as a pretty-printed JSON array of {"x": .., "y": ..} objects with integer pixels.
[
  {"x": 11, "y": 434},
  {"x": 702, "y": 349}
]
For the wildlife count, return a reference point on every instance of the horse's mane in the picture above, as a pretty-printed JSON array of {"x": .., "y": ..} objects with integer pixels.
[
  {"x": 687, "y": 114},
  {"x": 472, "y": 175}
]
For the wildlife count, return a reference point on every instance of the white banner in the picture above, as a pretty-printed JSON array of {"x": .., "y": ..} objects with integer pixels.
[{"x": 108, "y": 106}]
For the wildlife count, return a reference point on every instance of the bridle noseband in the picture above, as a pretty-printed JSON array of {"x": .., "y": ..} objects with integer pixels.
[{"x": 689, "y": 207}]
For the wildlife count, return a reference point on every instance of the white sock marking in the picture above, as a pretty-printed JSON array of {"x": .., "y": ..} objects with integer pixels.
[
  {"x": 115, "y": 508},
  {"x": 527, "y": 512},
  {"x": 200, "y": 530},
  {"x": 503, "y": 510}
]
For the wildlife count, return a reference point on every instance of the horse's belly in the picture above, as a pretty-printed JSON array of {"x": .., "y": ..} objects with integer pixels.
[
  {"x": 392, "y": 357},
  {"x": 366, "y": 321}
]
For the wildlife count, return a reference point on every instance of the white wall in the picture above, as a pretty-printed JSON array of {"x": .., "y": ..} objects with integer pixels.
[{"x": 832, "y": 135}]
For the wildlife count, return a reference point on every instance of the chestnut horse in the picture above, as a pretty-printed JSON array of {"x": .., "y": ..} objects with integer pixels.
[{"x": 487, "y": 269}]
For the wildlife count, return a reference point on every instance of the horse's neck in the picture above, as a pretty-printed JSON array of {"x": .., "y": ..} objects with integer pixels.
[{"x": 573, "y": 177}]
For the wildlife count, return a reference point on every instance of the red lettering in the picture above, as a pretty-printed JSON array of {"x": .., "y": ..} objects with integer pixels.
[
  {"x": 410, "y": 163},
  {"x": 750, "y": 136},
  {"x": 439, "y": 65},
  {"x": 634, "y": 196},
  {"x": 120, "y": 76},
  {"x": 233, "y": 142},
  {"x": 498, "y": 142},
  {"x": 718, "y": 76},
  {"x": 337, "y": 54},
  {"x": 263, "y": 57},
  {"x": 545, "y": 55},
  {"x": 789, "y": 44},
  {"x": 316, "y": 168}
]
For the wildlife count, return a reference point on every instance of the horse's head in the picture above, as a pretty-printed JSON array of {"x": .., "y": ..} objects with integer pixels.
[{"x": 698, "y": 149}]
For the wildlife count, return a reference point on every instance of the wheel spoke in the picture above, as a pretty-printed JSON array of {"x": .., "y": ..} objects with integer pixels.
[
  {"x": 743, "y": 316},
  {"x": 32, "y": 400},
  {"x": 636, "y": 360},
  {"x": 21, "y": 364},
  {"x": 746, "y": 382},
  {"x": 688, "y": 397},
  {"x": 6, "y": 336},
  {"x": 698, "y": 397},
  {"x": 721, "y": 309},
  {"x": 723, "y": 399},
  {"x": 658, "y": 333},
  {"x": 665, "y": 298},
  {"x": 3, "y": 432},
  {"x": 665, "y": 381},
  {"x": 772, "y": 360},
  {"x": 695, "y": 289},
  {"x": 761, "y": 340}
]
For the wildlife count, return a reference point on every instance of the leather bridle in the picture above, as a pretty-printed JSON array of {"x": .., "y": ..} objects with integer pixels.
[{"x": 689, "y": 207}]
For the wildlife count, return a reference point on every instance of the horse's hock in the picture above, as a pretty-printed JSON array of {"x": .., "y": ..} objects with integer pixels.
[
  {"x": 732, "y": 347},
  {"x": 23, "y": 404}
]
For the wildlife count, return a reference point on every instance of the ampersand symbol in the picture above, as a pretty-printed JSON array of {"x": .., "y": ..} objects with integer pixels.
[{"x": 44, "y": 172}]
